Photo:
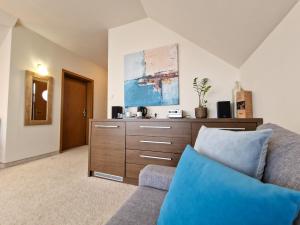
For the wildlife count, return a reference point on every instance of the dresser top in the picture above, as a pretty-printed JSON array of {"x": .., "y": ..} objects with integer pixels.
[{"x": 209, "y": 120}]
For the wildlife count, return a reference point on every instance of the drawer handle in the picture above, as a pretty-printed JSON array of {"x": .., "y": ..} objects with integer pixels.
[
  {"x": 156, "y": 127},
  {"x": 155, "y": 157},
  {"x": 106, "y": 126},
  {"x": 233, "y": 128},
  {"x": 157, "y": 142}
]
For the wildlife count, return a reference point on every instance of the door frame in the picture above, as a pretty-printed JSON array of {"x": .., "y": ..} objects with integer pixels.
[{"x": 90, "y": 102}]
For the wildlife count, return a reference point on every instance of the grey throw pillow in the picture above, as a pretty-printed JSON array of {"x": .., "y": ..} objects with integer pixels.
[
  {"x": 283, "y": 159},
  {"x": 243, "y": 151}
]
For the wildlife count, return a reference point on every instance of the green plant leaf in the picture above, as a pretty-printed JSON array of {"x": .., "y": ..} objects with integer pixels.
[{"x": 202, "y": 88}]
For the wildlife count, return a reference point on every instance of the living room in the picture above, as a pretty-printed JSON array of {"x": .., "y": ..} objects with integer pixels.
[{"x": 135, "y": 88}]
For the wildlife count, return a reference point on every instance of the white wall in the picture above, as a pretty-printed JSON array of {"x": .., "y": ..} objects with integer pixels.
[
  {"x": 7, "y": 22},
  {"x": 29, "y": 49},
  {"x": 193, "y": 61},
  {"x": 273, "y": 74},
  {"x": 5, "y": 49}
]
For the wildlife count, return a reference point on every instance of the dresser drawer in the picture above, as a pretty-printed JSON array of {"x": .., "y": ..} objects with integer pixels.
[
  {"x": 149, "y": 157},
  {"x": 158, "y": 144},
  {"x": 159, "y": 129},
  {"x": 133, "y": 170},
  {"x": 238, "y": 126}
]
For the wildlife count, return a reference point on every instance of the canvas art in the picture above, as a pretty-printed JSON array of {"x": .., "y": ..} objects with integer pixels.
[{"x": 151, "y": 77}]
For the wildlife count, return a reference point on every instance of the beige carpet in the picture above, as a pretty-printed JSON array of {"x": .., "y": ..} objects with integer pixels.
[{"x": 57, "y": 191}]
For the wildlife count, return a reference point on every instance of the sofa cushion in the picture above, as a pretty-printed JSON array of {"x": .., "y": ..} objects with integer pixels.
[
  {"x": 242, "y": 151},
  {"x": 283, "y": 158},
  {"x": 206, "y": 192},
  {"x": 156, "y": 176},
  {"x": 142, "y": 208}
]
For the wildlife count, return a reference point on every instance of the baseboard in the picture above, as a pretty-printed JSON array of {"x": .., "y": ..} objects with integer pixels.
[{"x": 22, "y": 161}]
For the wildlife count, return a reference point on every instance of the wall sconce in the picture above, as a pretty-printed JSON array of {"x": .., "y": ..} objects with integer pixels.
[
  {"x": 45, "y": 95},
  {"x": 42, "y": 70}
]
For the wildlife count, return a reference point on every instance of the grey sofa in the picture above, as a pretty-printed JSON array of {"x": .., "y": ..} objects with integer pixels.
[{"x": 283, "y": 168}]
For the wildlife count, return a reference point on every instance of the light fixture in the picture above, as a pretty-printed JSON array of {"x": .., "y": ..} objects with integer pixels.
[
  {"x": 42, "y": 70},
  {"x": 45, "y": 95}
]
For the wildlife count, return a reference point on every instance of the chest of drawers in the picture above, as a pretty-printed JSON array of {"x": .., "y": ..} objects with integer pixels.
[{"x": 119, "y": 149}]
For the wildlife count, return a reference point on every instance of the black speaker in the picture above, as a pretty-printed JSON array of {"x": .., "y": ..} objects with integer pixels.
[
  {"x": 224, "y": 109},
  {"x": 115, "y": 110}
]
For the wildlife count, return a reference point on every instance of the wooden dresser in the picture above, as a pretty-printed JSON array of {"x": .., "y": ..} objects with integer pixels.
[{"x": 119, "y": 149}]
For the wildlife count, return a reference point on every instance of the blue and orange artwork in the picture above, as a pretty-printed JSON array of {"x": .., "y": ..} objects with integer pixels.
[{"x": 151, "y": 77}]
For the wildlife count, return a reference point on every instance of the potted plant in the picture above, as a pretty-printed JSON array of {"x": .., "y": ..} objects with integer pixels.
[{"x": 201, "y": 87}]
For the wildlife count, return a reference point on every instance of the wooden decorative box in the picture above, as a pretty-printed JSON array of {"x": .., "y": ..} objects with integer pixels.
[{"x": 244, "y": 104}]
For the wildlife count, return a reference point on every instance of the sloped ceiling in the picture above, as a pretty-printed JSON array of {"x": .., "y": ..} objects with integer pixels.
[
  {"x": 80, "y": 26},
  {"x": 229, "y": 29}
]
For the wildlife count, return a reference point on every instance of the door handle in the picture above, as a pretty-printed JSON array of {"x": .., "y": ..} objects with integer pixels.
[
  {"x": 84, "y": 113},
  {"x": 157, "y": 142},
  {"x": 106, "y": 126},
  {"x": 155, "y": 157},
  {"x": 156, "y": 127}
]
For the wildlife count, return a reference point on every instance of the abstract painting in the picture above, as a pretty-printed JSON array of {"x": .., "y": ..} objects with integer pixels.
[{"x": 151, "y": 77}]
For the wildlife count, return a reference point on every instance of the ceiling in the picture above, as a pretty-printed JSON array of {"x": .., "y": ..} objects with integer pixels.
[
  {"x": 229, "y": 29},
  {"x": 80, "y": 26}
]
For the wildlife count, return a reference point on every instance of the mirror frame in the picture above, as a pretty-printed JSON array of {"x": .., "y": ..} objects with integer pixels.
[{"x": 29, "y": 77}]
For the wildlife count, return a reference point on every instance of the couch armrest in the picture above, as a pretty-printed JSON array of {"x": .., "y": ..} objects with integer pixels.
[{"x": 155, "y": 176}]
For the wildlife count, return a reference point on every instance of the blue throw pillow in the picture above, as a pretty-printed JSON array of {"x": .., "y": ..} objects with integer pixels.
[
  {"x": 205, "y": 192},
  {"x": 243, "y": 151}
]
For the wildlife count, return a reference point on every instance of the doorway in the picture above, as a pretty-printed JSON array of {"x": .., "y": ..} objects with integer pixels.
[{"x": 77, "y": 94}]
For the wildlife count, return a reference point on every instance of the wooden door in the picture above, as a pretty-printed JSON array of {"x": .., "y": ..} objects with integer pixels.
[{"x": 74, "y": 113}]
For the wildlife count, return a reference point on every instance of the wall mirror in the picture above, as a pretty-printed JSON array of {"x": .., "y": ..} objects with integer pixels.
[{"x": 38, "y": 99}]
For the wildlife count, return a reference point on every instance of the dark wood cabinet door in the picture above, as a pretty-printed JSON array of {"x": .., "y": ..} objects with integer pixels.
[{"x": 107, "y": 148}]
